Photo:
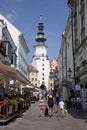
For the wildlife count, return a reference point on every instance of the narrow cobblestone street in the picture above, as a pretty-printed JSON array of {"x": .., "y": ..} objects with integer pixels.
[{"x": 31, "y": 120}]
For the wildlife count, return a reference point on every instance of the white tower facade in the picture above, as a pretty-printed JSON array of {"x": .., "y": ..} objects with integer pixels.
[{"x": 40, "y": 58}]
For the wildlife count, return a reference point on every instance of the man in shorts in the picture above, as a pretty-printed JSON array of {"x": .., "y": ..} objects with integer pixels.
[{"x": 61, "y": 107}]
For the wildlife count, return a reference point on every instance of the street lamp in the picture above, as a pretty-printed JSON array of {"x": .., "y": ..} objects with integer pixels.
[{"x": 69, "y": 72}]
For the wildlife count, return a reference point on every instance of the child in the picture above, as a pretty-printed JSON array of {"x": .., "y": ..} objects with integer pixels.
[
  {"x": 46, "y": 110},
  {"x": 42, "y": 107}
]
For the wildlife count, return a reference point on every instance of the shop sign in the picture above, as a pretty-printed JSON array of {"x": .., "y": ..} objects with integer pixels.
[{"x": 77, "y": 87}]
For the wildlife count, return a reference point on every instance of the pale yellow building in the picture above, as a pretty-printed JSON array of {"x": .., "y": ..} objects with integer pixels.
[
  {"x": 51, "y": 82},
  {"x": 33, "y": 76}
]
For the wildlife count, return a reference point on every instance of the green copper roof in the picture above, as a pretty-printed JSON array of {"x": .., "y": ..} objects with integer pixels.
[{"x": 40, "y": 38}]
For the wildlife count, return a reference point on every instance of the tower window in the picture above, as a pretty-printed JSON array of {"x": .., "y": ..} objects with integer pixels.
[
  {"x": 42, "y": 68},
  {"x": 43, "y": 74},
  {"x": 51, "y": 85},
  {"x": 42, "y": 54},
  {"x": 42, "y": 78},
  {"x": 32, "y": 79},
  {"x": 35, "y": 79},
  {"x": 35, "y": 84}
]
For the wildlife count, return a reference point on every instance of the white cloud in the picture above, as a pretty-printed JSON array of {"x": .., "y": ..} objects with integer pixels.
[{"x": 11, "y": 16}]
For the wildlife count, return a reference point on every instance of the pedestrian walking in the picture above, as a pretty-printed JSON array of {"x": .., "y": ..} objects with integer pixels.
[
  {"x": 62, "y": 108},
  {"x": 40, "y": 96},
  {"x": 41, "y": 107},
  {"x": 50, "y": 101}
]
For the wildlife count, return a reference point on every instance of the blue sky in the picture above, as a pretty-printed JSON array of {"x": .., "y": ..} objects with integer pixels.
[{"x": 25, "y": 15}]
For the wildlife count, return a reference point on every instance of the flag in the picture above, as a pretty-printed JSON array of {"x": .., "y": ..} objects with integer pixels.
[
  {"x": 54, "y": 65},
  {"x": 55, "y": 76}
]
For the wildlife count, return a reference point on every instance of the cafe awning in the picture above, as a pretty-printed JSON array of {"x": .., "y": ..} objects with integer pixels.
[
  {"x": 37, "y": 89},
  {"x": 28, "y": 88},
  {"x": 17, "y": 84},
  {"x": 10, "y": 73}
]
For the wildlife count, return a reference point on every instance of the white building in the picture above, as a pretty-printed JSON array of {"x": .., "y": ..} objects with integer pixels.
[
  {"x": 40, "y": 58},
  {"x": 69, "y": 50},
  {"x": 69, "y": 60},
  {"x": 7, "y": 56},
  {"x": 22, "y": 48},
  {"x": 65, "y": 61},
  {"x": 7, "y": 46}
]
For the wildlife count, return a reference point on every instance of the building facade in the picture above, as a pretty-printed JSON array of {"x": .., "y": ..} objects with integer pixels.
[
  {"x": 65, "y": 62},
  {"x": 33, "y": 76},
  {"x": 13, "y": 53},
  {"x": 7, "y": 46},
  {"x": 40, "y": 58},
  {"x": 7, "y": 54},
  {"x": 21, "y": 47},
  {"x": 79, "y": 17},
  {"x": 51, "y": 81}
]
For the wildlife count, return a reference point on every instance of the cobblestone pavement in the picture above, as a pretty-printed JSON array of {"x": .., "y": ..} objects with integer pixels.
[{"x": 31, "y": 120}]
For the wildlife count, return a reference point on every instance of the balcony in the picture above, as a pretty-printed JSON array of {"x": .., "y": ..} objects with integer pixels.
[
  {"x": 83, "y": 70},
  {"x": 77, "y": 68},
  {"x": 83, "y": 62}
]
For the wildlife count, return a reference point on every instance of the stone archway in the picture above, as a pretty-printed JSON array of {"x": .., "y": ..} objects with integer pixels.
[{"x": 43, "y": 87}]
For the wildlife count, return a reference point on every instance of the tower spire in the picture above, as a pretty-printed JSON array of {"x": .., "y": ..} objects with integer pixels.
[
  {"x": 40, "y": 38},
  {"x": 40, "y": 17},
  {"x": 40, "y": 58}
]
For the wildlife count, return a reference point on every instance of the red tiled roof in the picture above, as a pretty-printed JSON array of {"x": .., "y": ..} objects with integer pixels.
[{"x": 32, "y": 69}]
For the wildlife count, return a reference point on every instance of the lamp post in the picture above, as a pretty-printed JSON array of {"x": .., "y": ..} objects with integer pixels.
[{"x": 69, "y": 72}]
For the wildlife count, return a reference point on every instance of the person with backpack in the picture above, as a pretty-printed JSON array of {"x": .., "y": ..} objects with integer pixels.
[{"x": 50, "y": 101}]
